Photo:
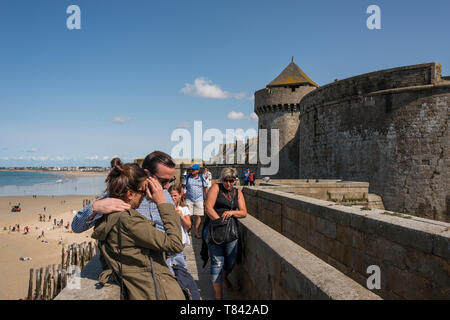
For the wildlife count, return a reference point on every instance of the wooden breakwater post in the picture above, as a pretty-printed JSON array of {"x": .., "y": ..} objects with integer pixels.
[
  {"x": 49, "y": 284},
  {"x": 30, "y": 286},
  {"x": 38, "y": 284}
]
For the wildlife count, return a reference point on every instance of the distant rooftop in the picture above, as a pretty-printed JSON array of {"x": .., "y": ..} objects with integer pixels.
[{"x": 292, "y": 75}]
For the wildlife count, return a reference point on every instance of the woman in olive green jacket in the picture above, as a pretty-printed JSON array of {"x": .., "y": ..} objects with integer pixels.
[{"x": 139, "y": 238}]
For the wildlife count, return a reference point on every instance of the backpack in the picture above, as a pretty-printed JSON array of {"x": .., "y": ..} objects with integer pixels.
[
  {"x": 186, "y": 282},
  {"x": 190, "y": 176}
]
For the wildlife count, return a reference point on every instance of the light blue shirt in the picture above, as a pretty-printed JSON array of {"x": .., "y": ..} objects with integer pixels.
[
  {"x": 194, "y": 188},
  {"x": 148, "y": 209}
]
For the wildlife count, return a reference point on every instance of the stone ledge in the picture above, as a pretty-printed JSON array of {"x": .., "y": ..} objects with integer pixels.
[
  {"x": 423, "y": 234},
  {"x": 303, "y": 275}
]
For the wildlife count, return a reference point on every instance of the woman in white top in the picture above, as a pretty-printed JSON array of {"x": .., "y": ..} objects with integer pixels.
[{"x": 186, "y": 224}]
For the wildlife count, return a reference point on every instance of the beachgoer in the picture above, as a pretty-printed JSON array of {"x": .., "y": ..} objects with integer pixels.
[
  {"x": 196, "y": 189},
  {"x": 158, "y": 165},
  {"x": 222, "y": 202},
  {"x": 186, "y": 223},
  {"x": 140, "y": 238}
]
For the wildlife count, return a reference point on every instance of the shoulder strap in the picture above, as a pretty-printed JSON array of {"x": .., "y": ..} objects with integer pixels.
[{"x": 119, "y": 242}]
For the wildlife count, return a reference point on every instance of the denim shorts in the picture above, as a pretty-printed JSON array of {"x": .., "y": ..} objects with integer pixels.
[
  {"x": 176, "y": 258},
  {"x": 223, "y": 258}
]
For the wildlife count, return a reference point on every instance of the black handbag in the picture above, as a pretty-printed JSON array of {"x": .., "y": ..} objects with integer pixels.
[
  {"x": 220, "y": 231},
  {"x": 223, "y": 231}
]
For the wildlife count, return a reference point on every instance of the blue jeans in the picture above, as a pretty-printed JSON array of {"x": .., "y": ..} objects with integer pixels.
[
  {"x": 176, "y": 258},
  {"x": 223, "y": 258}
]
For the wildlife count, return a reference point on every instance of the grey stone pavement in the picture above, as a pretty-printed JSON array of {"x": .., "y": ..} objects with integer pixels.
[{"x": 201, "y": 275}]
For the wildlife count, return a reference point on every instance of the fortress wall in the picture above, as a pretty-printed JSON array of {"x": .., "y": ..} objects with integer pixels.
[
  {"x": 402, "y": 77},
  {"x": 275, "y": 267},
  {"x": 412, "y": 253},
  {"x": 397, "y": 139},
  {"x": 278, "y": 108}
]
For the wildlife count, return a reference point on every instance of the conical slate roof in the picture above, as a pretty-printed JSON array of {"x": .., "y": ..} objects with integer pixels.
[{"x": 291, "y": 75}]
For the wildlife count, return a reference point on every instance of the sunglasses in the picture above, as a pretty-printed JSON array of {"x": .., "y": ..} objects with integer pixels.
[
  {"x": 229, "y": 180},
  {"x": 165, "y": 181}
]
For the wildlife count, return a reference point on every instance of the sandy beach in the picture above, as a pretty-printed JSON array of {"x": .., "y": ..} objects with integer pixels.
[{"x": 14, "y": 273}]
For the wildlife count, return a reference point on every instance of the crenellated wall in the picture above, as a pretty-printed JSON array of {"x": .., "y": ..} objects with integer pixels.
[{"x": 389, "y": 128}]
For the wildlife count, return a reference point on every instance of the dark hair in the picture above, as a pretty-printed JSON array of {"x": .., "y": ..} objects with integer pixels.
[
  {"x": 152, "y": 160},
  {"x": 115, "y": 162},
  {"x": 124, "y": 177}
]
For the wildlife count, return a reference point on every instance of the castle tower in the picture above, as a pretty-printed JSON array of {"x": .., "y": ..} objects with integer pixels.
[{"x": 277, "y": 107}]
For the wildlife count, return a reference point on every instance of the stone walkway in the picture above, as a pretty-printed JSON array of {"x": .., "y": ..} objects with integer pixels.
[{"x": 201, "y": 275}]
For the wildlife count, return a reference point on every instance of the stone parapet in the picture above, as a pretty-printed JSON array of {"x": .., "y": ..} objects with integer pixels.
[
  {"x": 413, "y": 253},
  {"x": 275, "y": 267}
]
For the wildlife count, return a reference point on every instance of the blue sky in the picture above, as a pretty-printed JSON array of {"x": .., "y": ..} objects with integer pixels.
[{"x": 137, "y": 70}]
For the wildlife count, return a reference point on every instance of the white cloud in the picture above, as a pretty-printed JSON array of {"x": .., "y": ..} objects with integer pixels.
[
  {"x": 92, "y": 158},
  {"x": 233, "y": 115},
  {"x": 204, "y": 88},
  {"x": 253, "y": 116},
  {"x": 33, "y": 150},
  {"x": 120, "y": 119},
  {"x": 106, "y": 158}
]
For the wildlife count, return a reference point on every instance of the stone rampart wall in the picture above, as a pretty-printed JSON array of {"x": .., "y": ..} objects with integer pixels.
[
  {"x": 413, "y": 253},
  {"x": 275, "y": 267},
  {"x": 389, "y": 128}
]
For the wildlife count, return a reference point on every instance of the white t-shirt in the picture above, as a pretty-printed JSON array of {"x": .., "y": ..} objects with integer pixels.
[{"x": 184, "y": 233}]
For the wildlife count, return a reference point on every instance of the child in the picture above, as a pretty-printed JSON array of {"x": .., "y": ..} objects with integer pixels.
[{"x": 185, "y": 217}]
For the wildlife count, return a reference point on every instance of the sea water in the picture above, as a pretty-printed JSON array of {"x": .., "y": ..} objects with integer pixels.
[{"x": 13, "y": 183}]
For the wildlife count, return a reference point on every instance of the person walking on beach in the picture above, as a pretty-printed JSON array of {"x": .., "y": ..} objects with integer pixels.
[
  {"x": 196, "y": 189},
  {"x": 140, "y": 268},
  {"x": 158, "y": 165}
]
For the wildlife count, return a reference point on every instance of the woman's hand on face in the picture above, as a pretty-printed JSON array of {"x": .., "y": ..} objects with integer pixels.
[
  {"x": 227, "y": 215},
  {"x": 155, "y": 191}
]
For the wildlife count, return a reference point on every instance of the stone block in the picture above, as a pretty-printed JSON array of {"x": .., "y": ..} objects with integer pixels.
[
  {"x": 344, "y": 234},
  {"x": 409, "y": 285},
  {"x": 357, "y": 239},
  {"x": 433, "y": 268},
  {"x": 326, "y": 227},
  {"x": 441, "y": 245}
]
